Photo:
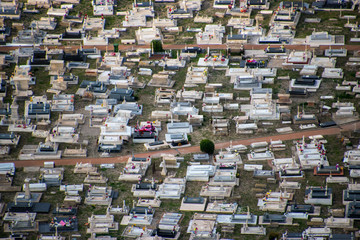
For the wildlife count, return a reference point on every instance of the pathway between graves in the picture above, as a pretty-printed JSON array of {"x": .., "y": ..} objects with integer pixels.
[
  {"x": 355, "y": 47},
  {"x": 195, "y": 149}
]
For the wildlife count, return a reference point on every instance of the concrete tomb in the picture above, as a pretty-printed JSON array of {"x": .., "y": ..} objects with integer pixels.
[
  {"x": 217, "y": 192},
  {"x": 139, "y": 216},
  {"x": 99, "y": 196},
  {"x": 317, "y": 195},
  {"x": 268, "y": 219},
  {"x": 221, "y": 207},
  {"x": 102, "y": 224},
  {"x": 193, "y": 204},
  {"x": 199, "y": 172},
  {"x": 202, "y": 226}
]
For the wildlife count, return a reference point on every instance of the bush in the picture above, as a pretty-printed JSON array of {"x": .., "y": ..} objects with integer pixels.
[
  {"x": 274, "y": 236},
  {"x": 157, "y": 46},
  {"x": 173, "y": 54},
  {"x": 207, "y": 146}
]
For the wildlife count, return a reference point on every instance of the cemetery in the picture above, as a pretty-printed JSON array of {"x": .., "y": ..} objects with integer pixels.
[
  {"x": 106, "y": 108},
  {"x": 218, "y": 205}
]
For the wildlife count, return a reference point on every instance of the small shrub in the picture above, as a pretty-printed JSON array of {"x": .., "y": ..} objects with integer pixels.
[
  {"x": 157, "y": 46},
  {"x": 207, "y": 146},
  {"x": 273, "y": 236}
]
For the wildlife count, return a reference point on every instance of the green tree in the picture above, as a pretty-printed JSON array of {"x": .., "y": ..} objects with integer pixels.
[
  {"x": 157, "y": 46},
  {"x": 207, "y": 146}
]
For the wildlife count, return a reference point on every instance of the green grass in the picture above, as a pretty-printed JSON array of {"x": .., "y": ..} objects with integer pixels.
[
  {"x": 327, "y": 24},
  {"x": 42, "y": 82}
]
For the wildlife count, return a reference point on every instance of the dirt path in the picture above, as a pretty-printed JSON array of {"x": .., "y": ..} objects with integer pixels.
[
  {"x": 182, "y": 46},
  {"x": 195, "y": 149}
]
